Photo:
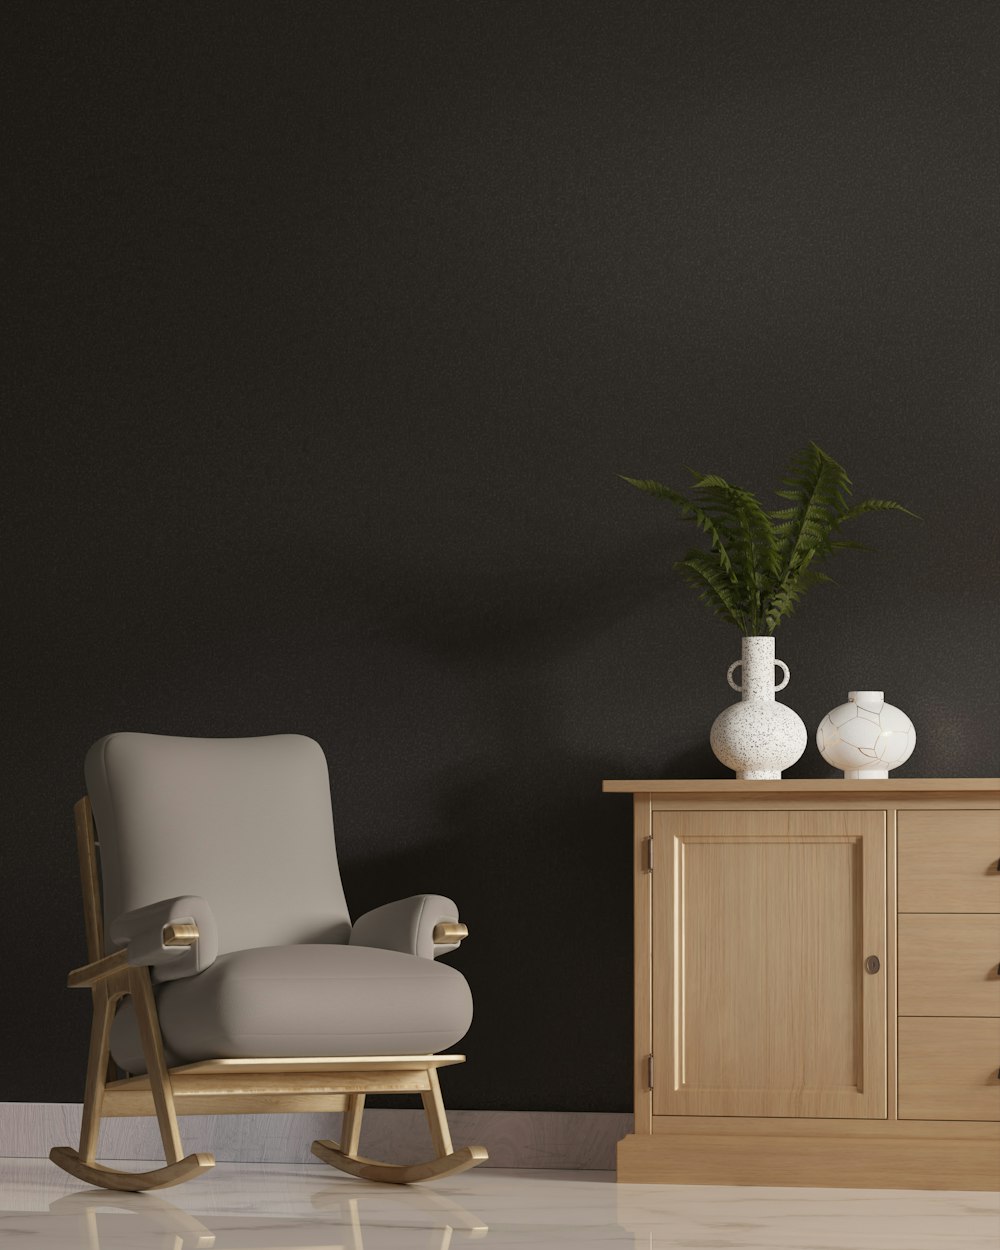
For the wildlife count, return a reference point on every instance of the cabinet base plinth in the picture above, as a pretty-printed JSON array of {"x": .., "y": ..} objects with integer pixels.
[{"x": 843, "y": 1162}]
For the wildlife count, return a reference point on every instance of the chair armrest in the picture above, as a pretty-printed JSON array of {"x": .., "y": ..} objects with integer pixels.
[
  {"x": 90, "y": 974},
  {"x": 425, "y": 925},
  {"x": 176, "y": 937}
]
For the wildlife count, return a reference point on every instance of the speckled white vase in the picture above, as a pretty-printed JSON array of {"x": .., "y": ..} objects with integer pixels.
[
  {"x": 758, "y": 737},
  {"x": 866, "y": 736}
]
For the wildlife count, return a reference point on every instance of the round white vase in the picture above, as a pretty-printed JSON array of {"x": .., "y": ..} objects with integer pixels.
[
  {"x": 866, "y": 736},
  {"x": 758, "y": 737}
]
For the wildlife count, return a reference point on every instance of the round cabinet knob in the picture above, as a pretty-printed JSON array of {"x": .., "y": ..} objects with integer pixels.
[{"x": 872, "y": 964}]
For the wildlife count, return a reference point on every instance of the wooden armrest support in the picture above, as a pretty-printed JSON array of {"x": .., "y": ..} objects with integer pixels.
[
  {"x": 446, "y": 932},
  {"x": 90, "y": 974}
]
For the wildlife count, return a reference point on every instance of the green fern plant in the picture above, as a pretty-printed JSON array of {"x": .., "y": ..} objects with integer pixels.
[{"x": 762, "y": 561}]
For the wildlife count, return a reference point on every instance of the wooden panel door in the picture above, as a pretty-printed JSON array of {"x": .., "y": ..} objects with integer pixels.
[{"x": 762, "y": 924}]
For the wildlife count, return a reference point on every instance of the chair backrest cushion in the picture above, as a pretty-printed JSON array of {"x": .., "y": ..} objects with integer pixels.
[{"x": 244, "y": 822}]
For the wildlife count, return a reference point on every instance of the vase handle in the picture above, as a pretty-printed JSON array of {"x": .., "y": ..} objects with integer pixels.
[{"x": 739, "y": 689}]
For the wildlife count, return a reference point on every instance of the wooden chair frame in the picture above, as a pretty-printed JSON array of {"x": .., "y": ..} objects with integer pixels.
[{"x": 229, "y": 1086}]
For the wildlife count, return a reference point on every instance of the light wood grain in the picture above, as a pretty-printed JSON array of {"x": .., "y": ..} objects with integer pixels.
[
  {"x": 707, "y": 990},
  {"x": 448, "y": 1162},
  {"x": 158, "y": 1077},
  {"x": 642, "y": 1035},
  {"x": 762, "y": 922},
  {"x": 174, "y": 1173},
  {"x": 273, "y": 1083},
  {"x": 90, "y": 974},
  {"x": 745, "y": 1126},
  {"x": 437, "y": 1120},
  {"x": 891, "y": 966},
  {"x": 90, "y": 886},
  {"x": 876, "y": 1162},
  {"x": 949, "y": 1069},
  {"x": 119, "y": 1103},
  {"x": 399, "y": 1174},
  {"x": 949, "y": 965},
  {"x": 832, "y": 788},
  {"x": 86, "y": 840},
  {"x": 948, "y": 861},
  {"x": 317, "y": 1063},
  {"x": 350, "y": 1131},
  {"x": 106, "y": 994},
  {"x": 816, "y": 802}
]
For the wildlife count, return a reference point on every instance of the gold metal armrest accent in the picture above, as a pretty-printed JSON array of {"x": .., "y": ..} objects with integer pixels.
[
  {"x": 90, "y": 974},
  {"x": 180, "y": 934},
  {"x": 446, "y": 932}
]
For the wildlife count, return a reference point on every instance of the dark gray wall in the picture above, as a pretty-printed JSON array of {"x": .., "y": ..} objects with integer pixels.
[{"x": 336, "y": 324}]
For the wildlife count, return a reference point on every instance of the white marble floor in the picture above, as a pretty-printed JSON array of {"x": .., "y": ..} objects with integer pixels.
[{"x": 274, "y": 1207}]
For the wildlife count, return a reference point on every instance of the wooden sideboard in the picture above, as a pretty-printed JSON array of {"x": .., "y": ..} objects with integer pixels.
[{"x": 817, "y": 983}]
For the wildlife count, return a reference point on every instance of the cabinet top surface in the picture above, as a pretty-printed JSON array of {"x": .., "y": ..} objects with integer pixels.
[{"x": 831, "y": 786}]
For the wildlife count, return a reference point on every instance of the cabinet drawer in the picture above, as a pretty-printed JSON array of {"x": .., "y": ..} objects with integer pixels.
[
  {"x": 948, "y": 1069},
  {"x": 949, "y": 861},
  {"x": 948, "y": 965}
]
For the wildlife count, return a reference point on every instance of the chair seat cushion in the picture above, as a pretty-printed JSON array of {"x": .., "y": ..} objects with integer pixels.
[{"x": 305, "y": 1000}]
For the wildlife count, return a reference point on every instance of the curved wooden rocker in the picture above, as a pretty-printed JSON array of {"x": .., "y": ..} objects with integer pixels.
[
  {"x": 449, "y": 1161},
  {"x": 398, "y": 1173},
  {"x": 132, "y": 1182}
]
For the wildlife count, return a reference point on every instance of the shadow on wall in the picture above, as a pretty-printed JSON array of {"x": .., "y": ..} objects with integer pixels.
[{"x": 485, "y": 794}]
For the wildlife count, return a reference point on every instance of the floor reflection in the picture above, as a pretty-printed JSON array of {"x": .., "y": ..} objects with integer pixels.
[
  {"x": 153, "y": 1218},
  {"x": 308, "y": 1207},
  {"x": 376, "y": 1218},
  {"x": 436, "y": 1205}
]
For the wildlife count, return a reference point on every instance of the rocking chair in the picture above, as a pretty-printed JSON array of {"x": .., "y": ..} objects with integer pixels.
[{"x": 246, "y": 988}]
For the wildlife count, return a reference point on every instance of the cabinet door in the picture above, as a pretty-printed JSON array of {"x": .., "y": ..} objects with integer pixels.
[{"x": 762, "y": 923}]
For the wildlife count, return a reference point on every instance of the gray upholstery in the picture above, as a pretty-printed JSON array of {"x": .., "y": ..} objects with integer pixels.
[
  {"x": 407, "y": 925},
  {"x": 306, "y": 1000},
  {"x": 241, "y": 831},
  {"x": 245, "y": 823},
  {"x": 142, "y": 932}
]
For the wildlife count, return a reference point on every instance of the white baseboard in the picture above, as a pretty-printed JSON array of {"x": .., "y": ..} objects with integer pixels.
[{"x": 515, "y": 1139}]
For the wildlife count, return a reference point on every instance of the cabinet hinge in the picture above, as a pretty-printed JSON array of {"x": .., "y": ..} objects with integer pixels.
[
  {"x": 648, "y": 853},
  {"x": 649, "y": 1071}
]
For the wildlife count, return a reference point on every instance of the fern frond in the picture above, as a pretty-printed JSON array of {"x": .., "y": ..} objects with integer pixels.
[
  {"x": 700, "y": 571},
  {"x": 750, "y": 537},
  {"x": 848, "y": 544},
  {"x": 691, "y": 510},
  {"x": 874, "y": 505},
  {"x": 787, "y": 598},
  {"x": 763, "y": 561},
  {"x": 817, "y": 486}
]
